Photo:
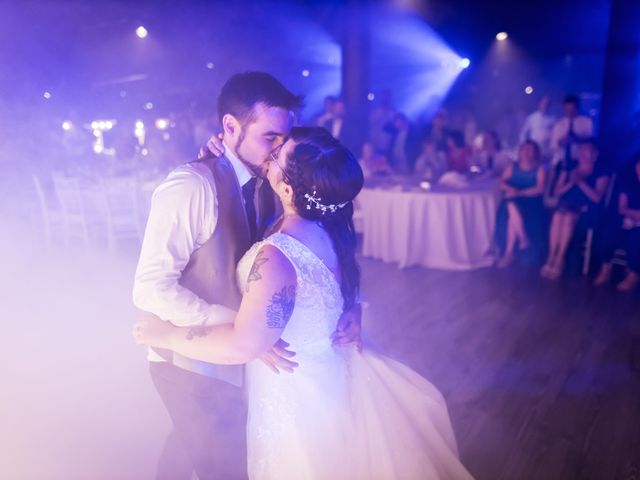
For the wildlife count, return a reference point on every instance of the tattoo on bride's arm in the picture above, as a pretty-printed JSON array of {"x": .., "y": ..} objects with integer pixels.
[
  {"x": 254, "y": 274},
  {"x": 199, "y": 331},
  {"x": 281, "y": 307}
]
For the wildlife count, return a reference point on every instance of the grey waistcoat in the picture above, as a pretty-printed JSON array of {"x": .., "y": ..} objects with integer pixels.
[{"x": 211, "y": 271}]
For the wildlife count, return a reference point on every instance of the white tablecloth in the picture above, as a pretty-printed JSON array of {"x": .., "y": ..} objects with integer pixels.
[{"x": 446, "y": 230}]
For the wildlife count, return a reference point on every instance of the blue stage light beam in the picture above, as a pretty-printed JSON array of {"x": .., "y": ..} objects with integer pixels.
[
  {"x": 315, "y": 61},
  {"x": 413, "y": 61}
]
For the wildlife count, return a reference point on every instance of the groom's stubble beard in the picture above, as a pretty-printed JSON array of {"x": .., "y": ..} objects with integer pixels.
[{"x": 256, "y": 170}]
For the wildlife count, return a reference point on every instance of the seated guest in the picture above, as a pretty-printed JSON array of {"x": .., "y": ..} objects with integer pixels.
[
  {"x": 490, "y": 157},
  {"x": 431, "y": 163},
  {"x": 580, "y": 192},
  {"x": 373, "y": 163},
  {"x": 624, "y": 233},
  {"x": 403, "y": 143},
  {"x": 521, "y": 212},
  {"x": 457, "y": 152},
  {"x": 437, "y": 132}
]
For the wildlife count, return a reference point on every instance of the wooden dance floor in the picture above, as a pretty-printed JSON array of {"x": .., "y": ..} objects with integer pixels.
[{"x": 537, "y": 375}]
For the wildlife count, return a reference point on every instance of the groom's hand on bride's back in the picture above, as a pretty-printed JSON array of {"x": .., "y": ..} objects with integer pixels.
[
  {"x": 213, "y": 147},
  {"x": 349, "y": 329},
  {"x": 277, "y": 358}
]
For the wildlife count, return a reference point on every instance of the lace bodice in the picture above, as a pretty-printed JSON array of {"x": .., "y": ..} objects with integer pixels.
[
  {"x": 318, "y": 297},
  {"x": 280, "y": 404}
]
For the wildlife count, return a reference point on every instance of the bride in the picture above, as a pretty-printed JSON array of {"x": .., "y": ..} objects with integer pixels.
[{"x": 343, "y": 414}]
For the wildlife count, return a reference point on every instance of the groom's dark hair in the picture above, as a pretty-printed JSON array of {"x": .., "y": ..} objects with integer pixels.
[{"x": 244, "y": 91}]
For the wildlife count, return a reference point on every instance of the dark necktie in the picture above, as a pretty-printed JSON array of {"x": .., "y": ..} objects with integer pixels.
[
  {"x": 570, "y": 137},
  {"x": 249, "y": 194}
]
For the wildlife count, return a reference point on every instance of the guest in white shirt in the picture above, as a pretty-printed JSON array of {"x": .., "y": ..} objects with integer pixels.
[
  {"x": 538, "y": 125},
  {"x": 571, "y": 129}
]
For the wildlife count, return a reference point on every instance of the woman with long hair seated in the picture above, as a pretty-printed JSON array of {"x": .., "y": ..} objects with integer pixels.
[{"x": 581, "y": 191}]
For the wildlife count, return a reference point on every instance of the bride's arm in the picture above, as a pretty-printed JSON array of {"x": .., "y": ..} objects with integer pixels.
[
  {"x": 349, "y": 328},
  {"x": 266, "y": 308}
]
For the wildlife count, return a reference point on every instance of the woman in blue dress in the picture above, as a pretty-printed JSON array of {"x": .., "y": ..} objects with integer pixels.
[{"x": 520, "y": 217}]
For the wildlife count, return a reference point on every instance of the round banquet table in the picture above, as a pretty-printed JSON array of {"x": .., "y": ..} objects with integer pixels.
[{"x": 442, "y": 229}]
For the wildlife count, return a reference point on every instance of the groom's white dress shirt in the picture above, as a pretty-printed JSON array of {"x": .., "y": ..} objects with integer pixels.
[{"x": 183, "y": 216}]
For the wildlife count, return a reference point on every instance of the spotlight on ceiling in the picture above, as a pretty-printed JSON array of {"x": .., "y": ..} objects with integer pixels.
[
  {"x": 141, "y": 32},
  {"x": 465, "y": 62},
  {"x": 162, "y": 123},
  {"x": 502, "y": 36}
]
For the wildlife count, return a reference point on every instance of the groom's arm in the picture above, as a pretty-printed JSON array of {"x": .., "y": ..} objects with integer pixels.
[{"x": 182, "y": 217}]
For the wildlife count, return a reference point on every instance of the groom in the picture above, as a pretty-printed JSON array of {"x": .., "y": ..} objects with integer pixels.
[{"x": 204, "y": 217}]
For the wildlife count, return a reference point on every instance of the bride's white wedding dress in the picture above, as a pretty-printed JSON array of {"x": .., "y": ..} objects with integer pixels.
[{"x": 342, "y": 414}]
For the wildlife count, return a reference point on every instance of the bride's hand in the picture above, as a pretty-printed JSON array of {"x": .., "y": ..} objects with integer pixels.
[
  {"x": 349, "y": 329},
  {"x": 152, "y": 330},
  {"x": 213, "y": 147}
]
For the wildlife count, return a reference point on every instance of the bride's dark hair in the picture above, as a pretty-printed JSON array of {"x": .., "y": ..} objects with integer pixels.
[{"x": 320, "y": 166}]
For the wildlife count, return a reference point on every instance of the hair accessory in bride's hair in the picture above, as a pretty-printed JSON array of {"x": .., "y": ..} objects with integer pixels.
[{"x": 316, "y": 202}]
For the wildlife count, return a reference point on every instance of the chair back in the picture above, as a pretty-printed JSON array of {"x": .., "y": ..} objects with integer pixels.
[
  {"x": 122, "y": 194},
  {"x": 69, "y": 195}
]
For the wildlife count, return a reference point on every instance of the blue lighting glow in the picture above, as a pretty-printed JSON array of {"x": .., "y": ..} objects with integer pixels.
[
  {"x": 316, "y": 60},
  {"x": 411, "y": 59}
]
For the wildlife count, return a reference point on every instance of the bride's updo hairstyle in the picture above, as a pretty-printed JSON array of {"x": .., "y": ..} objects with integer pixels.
[{"x": 325, "y": 178}]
